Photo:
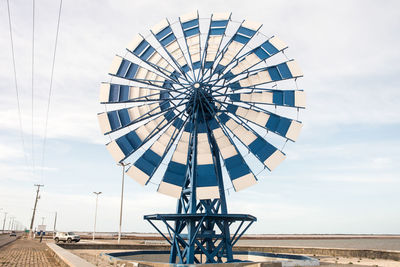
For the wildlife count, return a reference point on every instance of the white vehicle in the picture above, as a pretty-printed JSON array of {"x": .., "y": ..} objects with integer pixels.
[{"x": 68, "y": 237}]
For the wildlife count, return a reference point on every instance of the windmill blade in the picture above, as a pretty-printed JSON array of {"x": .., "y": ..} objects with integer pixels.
[{"x": 210, "y": 67}]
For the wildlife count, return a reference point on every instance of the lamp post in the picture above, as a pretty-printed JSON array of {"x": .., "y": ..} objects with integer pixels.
[
  {"x": 122, "y": 199},
  {"x": 95, "y": 213}
]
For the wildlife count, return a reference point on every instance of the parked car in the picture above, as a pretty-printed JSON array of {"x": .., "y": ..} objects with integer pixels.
[
  {"x": 68, "y": 237},
  {"x": 13, "y": 233}
]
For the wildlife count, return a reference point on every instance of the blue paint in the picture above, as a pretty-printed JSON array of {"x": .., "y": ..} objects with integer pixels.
[
  {"x": 114, "y": 93},
  {"x": 197, "y": 65},
  {"x": 124, "y": 93},
  {"x": 238, "y": 171},
  {"x": 217, "y": 31},
  {"x": 175, "y": 173},
  {"x": 145, "y": 166},
  {"x": 283, "y": 126},
  {"x": 206, "y": 175},
  {"x": 191, "y": 32},
  {"x": 178, "y": 123},
  {"x": 232, "y": 108},
  {"x": 269, "y": 48},
  {"x": 223, "y": 118},
  {"x": 164, "y": 105},
  {"x": 272, "y": 123},
  {"x": 235, "y": 97},
  {"x": 139, "y": 49},
  {"x": 168, "y": 39},
  {"x": 288, "y": 98},
  {"x": 235, "y": 86},
  {"x": 163, "y": 33},
  {"x": 260, "y": 53},
  {"x": 241, "y": 38},
  {"x": 134, "y": 139},
  {"x": 190, "y": 24},
  {"x": 284, "y": 70},
  {"x": 113, "y": 119},
  {"x": 124, "y": 117},
  {"x": 169, "y": 115},
  {"x": 123, "y": 67},
  {"x": 152, "y": 157},
  {"x": 149, "y": 51},
  {"x": 185, "y": 68},
  {"x": 219, "y": 23},
  {"x": 246, "y": 31},
  {"x": 124, "y": 145},
  {"x": 274, "y": 73},
  {"x": 132, "y": 71},
  {"x": 277, "y": 98}
]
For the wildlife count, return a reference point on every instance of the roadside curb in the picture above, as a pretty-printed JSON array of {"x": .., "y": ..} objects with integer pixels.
[
  {"x": 5, "y": 244},
  {"x": 66, "y": 258}
]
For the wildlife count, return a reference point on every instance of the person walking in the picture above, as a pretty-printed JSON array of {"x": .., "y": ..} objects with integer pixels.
[{"x": 41, "y": 236}]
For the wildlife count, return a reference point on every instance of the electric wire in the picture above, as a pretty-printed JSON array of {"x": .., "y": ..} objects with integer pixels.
[
  {"x": 50, "y": 89},
  {"x": 32, "y": 85},
  {"x": 16, "y": 86}
]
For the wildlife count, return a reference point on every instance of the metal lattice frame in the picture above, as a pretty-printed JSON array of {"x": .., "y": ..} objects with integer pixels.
[{"x": 198, "y": 106}]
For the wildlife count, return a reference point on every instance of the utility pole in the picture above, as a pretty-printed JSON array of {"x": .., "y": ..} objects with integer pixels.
[
  {"x": 122, "y": 199},
  {"x": 95, "y": 213},
  {"x": 4, "y": 221},
  {"x": 54, "y": 227},
  {"x": 10, "y": 222},
  {"x": 34, "y": 208}
]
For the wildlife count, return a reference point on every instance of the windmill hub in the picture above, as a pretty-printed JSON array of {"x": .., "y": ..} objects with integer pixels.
[{"x": 202, "y": 101}]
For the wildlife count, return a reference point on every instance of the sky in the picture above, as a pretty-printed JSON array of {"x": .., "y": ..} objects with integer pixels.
[{"x": 339, "y": 177}]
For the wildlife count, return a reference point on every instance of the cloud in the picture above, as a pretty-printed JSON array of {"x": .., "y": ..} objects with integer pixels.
[{"x": 347, "y": 50}]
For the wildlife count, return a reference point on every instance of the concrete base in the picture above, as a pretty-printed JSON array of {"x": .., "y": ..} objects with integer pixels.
[
  {"x": 243, "y": 258},
  {"x": 66, "y": 258},
  {"x": 339, "y": 252}
]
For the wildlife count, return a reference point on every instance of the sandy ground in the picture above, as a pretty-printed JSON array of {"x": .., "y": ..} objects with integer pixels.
[
  {"x": 358, "y": 262},
  {"x": 386, "y": 243},
  {"x": 93, "y": 256}
]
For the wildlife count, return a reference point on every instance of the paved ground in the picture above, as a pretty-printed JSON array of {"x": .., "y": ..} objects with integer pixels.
[
  {"x": 4, "y": 239},
  {"x": 25, "y": 252}
]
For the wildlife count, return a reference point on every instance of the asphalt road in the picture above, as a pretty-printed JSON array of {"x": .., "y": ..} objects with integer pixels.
[{"x": 5, "y": 239}]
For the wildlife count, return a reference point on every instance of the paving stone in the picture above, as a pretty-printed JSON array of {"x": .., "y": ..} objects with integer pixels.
[{"x": 24, "y": 252}]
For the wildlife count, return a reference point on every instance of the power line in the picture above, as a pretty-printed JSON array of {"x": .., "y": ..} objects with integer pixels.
[
  {"x": 50, "y": 88},
  {"x": 33, "y": 71},
  {"x": 16, "y": 85}
]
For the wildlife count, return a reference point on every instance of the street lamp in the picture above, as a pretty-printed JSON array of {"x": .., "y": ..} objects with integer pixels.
[
  {"x": 122, "y": 199},
  {"x": 95, "y": 213}
]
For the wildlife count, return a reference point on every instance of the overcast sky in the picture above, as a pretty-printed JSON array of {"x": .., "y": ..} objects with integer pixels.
[{"x": 339, "y": 177}]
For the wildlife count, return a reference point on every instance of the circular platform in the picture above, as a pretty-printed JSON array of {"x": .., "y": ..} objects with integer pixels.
[{"x": 244, "y": 257}]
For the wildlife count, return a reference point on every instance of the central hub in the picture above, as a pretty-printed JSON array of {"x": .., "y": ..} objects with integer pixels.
[{"x": 196, "y": 85}]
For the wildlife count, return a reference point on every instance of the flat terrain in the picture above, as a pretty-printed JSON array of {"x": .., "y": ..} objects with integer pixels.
[
  {"x": 352, "y": 243},
  {"x": 25, "y": 252},
  {"x": 4, "y": 239}
]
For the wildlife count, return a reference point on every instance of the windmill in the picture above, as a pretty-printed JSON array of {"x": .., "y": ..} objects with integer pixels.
[{"x": 201, "y": 106}]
